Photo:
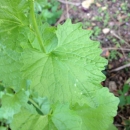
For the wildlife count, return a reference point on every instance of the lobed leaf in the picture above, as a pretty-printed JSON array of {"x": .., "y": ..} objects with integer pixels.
[
  {"x": 14, "y": 23},
  {"x": 27, "y": 120},
  {"x": 11, "y": 104},
  {"x": 101, "y": 116},
  {"x": 12, "y": 14},
  {"x": 70, "y": 70}
]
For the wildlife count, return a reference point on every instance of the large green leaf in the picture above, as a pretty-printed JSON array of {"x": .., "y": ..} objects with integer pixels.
[
  {"x": 101, "y": 116},
  {"x": 62, "y": 118},
  {"x": 13, "y": 23},
  {"x": 10, "y": 66},
  {"x": 112, "y": 127},
  {"x": 2, "y": 128},
  {"x": 70, "y": 70},
  {"x": 12, "y": 14}
]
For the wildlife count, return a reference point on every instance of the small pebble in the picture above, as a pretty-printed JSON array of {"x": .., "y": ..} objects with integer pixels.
[
  {"x": 104, "y": 8},
  {"x": 87, "y": 3},
  {"x": 106, "y": 30}
]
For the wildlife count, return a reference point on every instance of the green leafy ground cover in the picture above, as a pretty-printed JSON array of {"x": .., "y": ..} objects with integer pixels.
[{"x": 50, "y": 76}]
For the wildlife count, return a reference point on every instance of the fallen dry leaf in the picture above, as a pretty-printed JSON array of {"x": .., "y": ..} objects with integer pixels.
[
  {"x": 98, "y": 5},
  {"x": 113, "y": 87},
  {"x": 90, "y": 28},
  {"x": 105, "y": 53}
]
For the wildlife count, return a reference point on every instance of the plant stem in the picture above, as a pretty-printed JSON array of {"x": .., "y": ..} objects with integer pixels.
[
  {"x": 32, "y": 14},
  {"x": 35, "y": 105}
]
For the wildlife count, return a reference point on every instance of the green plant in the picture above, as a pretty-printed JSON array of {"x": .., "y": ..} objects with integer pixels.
[
  {"x": 97, "y": 31},
  {"x": 124, "y": 97},
  {"x": 113, "y": 1},
  {"x": 127, "y": 124},
  {"x": 125, "y": 101},
  {"x": 114, "y": 55},
  {"x": 128, "y": 14},
  {"x": 50, "y": 77},
  {"x": 48, "y": 11},
  {"x": 106, "y": 18},
  {"x": 98, "y": 18},
  {"x": 124, "y": 6}
]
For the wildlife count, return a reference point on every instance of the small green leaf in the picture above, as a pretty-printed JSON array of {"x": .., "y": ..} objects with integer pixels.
[
  {"x": 122, "y": 100},
  {"x": 28, "y": 120},
  {"x": 44, "y": 104},
  {"x": 126, "y": 87},
  {"x": 128, "y": 99},
  {"x": 11, "y": 104}
]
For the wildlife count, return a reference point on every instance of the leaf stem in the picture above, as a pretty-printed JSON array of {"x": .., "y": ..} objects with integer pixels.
[
  {"x": 33, "y": 102},
  {"x": 32, "y": 14}
]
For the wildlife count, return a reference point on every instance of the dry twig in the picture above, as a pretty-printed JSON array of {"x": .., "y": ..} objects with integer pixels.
[
  {"x": 62, "y": 18},
  {"x": 67, "y": 10},
  {"x": 121, "y": 67},
  {"x": 68, "y": 2},
  {"x": 114, "y": 34},
  {"x": 113, "y": 48}
]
